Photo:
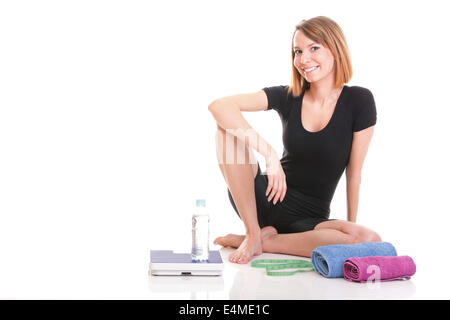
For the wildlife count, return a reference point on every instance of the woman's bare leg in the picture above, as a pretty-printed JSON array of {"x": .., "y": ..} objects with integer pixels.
[
  {"x": 359, "y": 232},
  {"x": 303, "y": 243},
  {"x": 240, "y": 178},
  {"x": 325, "y": 233}
]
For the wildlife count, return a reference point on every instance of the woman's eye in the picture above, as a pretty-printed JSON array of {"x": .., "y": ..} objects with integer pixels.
[{"x": 315, "y": 48}]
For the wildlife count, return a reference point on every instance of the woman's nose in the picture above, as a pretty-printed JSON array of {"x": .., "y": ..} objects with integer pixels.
[{"x": 304, "y": 59}]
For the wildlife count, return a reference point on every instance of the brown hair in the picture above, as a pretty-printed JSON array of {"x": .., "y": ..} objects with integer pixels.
[{"x": 325, "y": 31}]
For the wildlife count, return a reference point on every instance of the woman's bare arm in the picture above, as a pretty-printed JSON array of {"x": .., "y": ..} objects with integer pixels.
[
  {"x": 360, "y": 146},
  {"x": 227, "y": 112}
]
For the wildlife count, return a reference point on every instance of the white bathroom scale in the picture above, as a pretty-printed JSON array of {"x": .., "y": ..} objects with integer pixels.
[{"x": 168, "y": 263}]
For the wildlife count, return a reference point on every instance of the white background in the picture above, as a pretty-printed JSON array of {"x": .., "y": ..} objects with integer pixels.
[{"x": 106, "y": 140}]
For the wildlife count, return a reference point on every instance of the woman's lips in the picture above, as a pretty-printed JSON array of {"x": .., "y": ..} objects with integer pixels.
[{"x": 309, "y": 70}]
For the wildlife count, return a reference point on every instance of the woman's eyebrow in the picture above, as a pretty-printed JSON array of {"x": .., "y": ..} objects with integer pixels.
[{"x": 309, "y": 45}]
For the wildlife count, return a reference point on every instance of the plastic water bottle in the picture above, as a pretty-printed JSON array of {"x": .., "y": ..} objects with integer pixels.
[{"x": 200, "y": 232}]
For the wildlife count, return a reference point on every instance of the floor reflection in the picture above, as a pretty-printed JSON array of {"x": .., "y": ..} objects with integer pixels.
[
  {"x": 242, "y": 282},
  {"x": 251, "y": 283},
  {"x": 199, "y": 287}
]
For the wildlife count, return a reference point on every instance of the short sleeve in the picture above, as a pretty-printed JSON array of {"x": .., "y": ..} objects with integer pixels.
[
  {"x": 365, "y": 112},
  {"x": 277, "y": 98}
]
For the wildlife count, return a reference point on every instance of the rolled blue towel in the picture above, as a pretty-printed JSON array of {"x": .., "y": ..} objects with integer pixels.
[{"x": 329, "y": 260}]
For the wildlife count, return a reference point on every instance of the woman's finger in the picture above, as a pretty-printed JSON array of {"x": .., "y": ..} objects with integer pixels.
[
  {"x": 269, "y": 184},
  {"x": 274, "y": 189},
  {"x": 284, "y": 191},
  {"x": 279, "y": 192}
]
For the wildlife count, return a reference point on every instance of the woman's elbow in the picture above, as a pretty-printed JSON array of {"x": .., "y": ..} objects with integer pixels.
[
  {"x": 213, "y": 106},
  {"x": 353, "y": 175}
]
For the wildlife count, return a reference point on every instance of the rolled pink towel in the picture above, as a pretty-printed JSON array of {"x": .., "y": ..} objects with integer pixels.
[{"x": 379, "y": 268}]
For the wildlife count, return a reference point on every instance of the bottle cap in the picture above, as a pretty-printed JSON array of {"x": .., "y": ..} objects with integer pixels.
[{"x": 201, "y": 203}]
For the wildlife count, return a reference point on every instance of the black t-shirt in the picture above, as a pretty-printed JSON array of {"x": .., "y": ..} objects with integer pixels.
[{"x": 314, "y": 161}]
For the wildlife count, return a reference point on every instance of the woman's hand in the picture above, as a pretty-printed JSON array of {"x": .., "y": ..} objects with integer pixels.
[{"x": 277, "y": 186}]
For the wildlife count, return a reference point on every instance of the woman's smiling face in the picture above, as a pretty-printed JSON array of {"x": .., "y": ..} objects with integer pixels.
[{"x": 314, "y": 61}]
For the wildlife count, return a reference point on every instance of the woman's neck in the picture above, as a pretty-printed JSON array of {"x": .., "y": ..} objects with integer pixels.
[{"x": 323, "y": 91}]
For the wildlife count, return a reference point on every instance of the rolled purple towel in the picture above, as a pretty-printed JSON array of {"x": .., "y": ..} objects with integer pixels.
[{"x": 379, "y": 268}]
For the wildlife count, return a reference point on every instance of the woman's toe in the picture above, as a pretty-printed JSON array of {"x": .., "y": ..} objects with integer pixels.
[{"x": 243, "y": 260}]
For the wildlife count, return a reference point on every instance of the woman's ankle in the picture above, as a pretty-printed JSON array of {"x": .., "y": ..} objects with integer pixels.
[{"x": 253, "y": 233}]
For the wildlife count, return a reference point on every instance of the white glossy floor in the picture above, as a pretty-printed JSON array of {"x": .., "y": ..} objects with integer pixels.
[
  {"x": 245, "y": 282},
  {"x": 123, "y": 273}
]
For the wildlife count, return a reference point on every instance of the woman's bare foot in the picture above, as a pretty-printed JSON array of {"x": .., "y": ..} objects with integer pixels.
[
  {"x": 230, "y": 240},
  {"x": 251, "y": 246},
  {"x": 247, "y": 247}
]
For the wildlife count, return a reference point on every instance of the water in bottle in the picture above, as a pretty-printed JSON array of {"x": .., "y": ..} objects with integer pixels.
[{"x": 200, "y": 232}]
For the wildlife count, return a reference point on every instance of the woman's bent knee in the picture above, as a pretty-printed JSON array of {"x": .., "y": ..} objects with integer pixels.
[
  {"x": 368, "y": 237},
  {"x": 352, "y": 239},
  {"x": 375, "y": 237},
  {"x": 230, "y": 151}
]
